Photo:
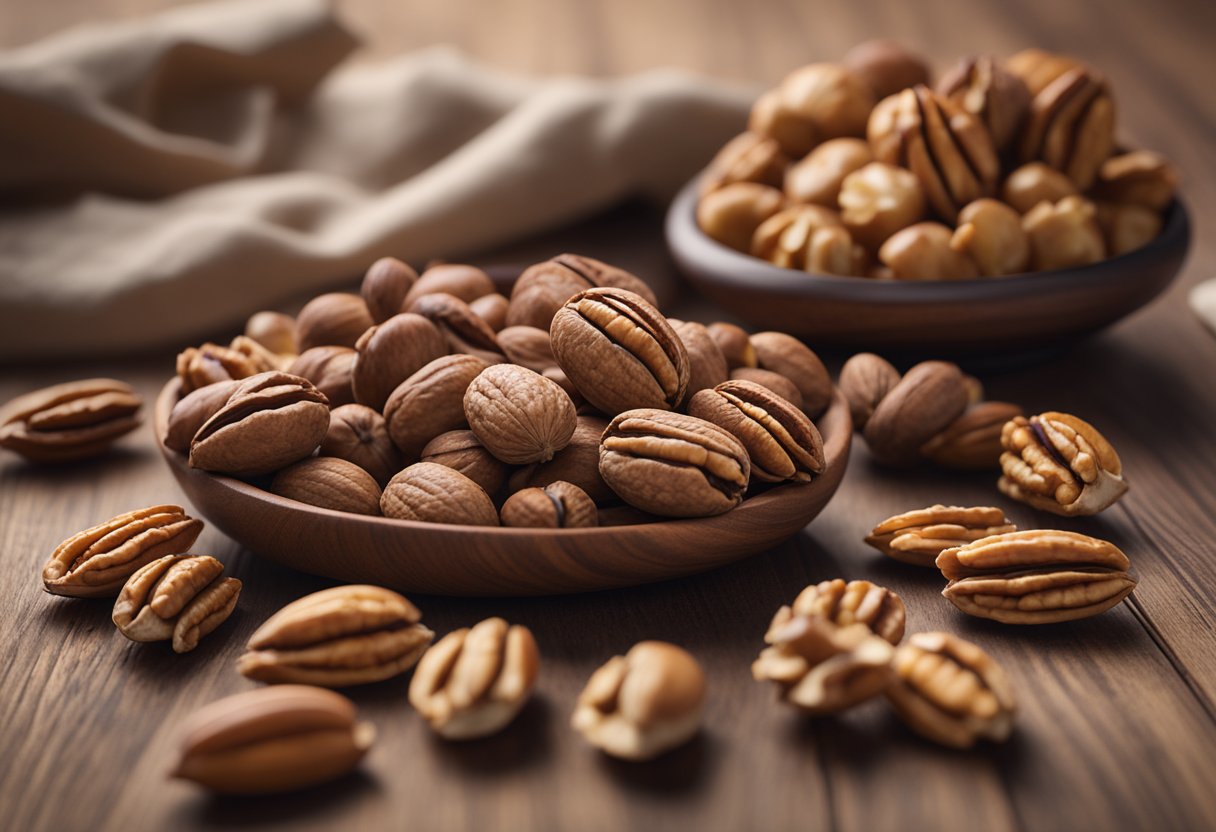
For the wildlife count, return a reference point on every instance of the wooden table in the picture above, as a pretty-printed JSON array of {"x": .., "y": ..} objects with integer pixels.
[{"x": 1116, "y": 727}]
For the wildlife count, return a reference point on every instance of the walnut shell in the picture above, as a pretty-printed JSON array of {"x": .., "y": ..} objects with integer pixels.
[
  {"x": 329, "y": 482},
  {"x": 519, "y": 415},
  {"x": 461, "y": 327},
  {"x": 431, "y": 493}
]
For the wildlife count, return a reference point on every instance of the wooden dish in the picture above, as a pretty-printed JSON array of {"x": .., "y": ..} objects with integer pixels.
[
  {"x": 479, "y": 561},
  {"x": 1033, "y": 312}
]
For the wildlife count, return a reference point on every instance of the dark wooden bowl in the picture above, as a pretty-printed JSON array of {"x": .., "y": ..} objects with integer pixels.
[
  {"x": 479, "y": 561},
  {"x": 1025, "y": 313}
]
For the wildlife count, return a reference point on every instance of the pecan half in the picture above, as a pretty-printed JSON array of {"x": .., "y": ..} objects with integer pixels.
[
  {"x": 559, "y": 505},
  {"x": 432, "y": 493},
  {"x": 177, "y": 598},
  {"x": 951, "y": 691},
  {"x": 918, "y": 537},
  {"x": 1036, "y": 577},
  {"x": 69, "y": 422},
  {"x": 473, "y": 682},
  {"x": 973, "y": 440},
  {"x": 347, "y": 635},
  {"x": 1059, "y": 463},
  {"x": 97, "y": 562},
  {"x": 520, "y": 416},
  {"x": 857, "y": 602}
]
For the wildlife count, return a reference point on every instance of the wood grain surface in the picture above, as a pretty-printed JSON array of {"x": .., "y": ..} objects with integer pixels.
[{"x": 1116, "y": 727}]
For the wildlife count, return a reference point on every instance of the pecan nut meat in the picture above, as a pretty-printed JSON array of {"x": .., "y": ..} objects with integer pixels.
[
  {"x": 855, "y": 602},
  {"x": 918, "y": 537},
  {"x": 1061, "y": 464},
  {"x": 69, "y": 422},
  {"x": 177, "y": 598}
]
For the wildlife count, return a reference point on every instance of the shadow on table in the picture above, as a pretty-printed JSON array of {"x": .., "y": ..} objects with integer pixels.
[
  {"x": 674, "y": 774},
  {"x": 523, "y": 744},
  {"x": 335, "y": 800}
]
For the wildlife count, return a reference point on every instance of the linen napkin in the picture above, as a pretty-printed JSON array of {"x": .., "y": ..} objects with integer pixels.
[{"x": 162, "y": 179}]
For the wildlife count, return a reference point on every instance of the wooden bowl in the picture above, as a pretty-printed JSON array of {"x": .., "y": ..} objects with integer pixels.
[
  {"x": 478, "y": 561},
  {"x": 1027, "y": 313}
]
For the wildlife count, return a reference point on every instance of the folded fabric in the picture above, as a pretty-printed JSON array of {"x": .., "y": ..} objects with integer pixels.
[{"x": 162, "y": 179}]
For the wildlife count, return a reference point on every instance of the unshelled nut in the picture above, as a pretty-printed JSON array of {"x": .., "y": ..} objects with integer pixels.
[
  {"x": 336, "y": 319},
  {"x": 464, "y": 331},
  {"x": 973, "y": 440},
  {"x": 578, "y": 463},
  {"x": 887, "y": 66},
  {"x": 457, "y": 279},
  {"x": 462, "y": 451},
  {"x": 543, "y": 288},
  {"x": 776, "y": 382},
  {"x": 706, "y": 363},
  {"x": 389, "y": 353},
  {"x": 735, "y": 343},
  {"x": 991, "y": 93},
  {"x": 430, "y": 402},
  {"x": 358, "y": 434},
  {"x": 918, "y": 537},
  {"x": 520, "y": 416},
  {"x": 771, "y": 117},
  {"x": 785, "y": 354},
  {"x": 865, "y": 380},
  {"x": 926, "y": 400},
  {"x": 558, "y": 505},
  {"x": 329, "y": 482},
  {"x": 816, "y": 179},
  {"x": 528, "y": 347},
  {"x": 176, "y": 598},
  {"x": 1059, "y": 463},
  {"x": 385, "y": 286},
  {"x": 492, "y": 309},
  {"x": 431, "y": 493},
  {"x": 834, "y": 100},
  {"x": 69, "y": 422},
  {"x": 192, "y": 410},
  {"x": 329, "y": 369},
  {"x": 274, "y": 331}
]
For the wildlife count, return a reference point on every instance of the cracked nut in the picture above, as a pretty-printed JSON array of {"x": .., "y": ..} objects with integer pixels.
[
  {"x": 69, "y": 422},
  {"x": 199, "y": 366},
  {"x": 578, "y": 463},
  {"x": 918, "y": 537},
  {"x": 928, "y": 398},
  {"x": 748, "y": 157},
  {"x": 878, "y": 200},
  {"x": 865, "y": 380},
  {"x": 385, "y": 286},
  {"x": 329, "y": 482},
  {"x": 97, "y": 562},
  {"x": 644, "y": 703},
  {"x": 887, "y": 66},
  {"x": 1035, "y": 182},
  {"x": 991, "y": 234},
  {"x": 950, "y": 691},
  {"x": 809, "y": 238},
  {"x": 833, "y": 100},
  {"x": 991, "y": 93},
  {"x": 474, "y": 681},
  {"x": 1059, "y": 463},
  {"x": 972, "y": 442},
  {"x": 330, "y": 370},
  {"x": 672, "y": 464},
  {"x": 1039, "y": 576},
  {"x": 855, "y": 602},
  {"x": 924, "y": 252},
  {"x": 431, "y": 493},
  {"x": 430, "y": 402},
  {"x": 272, "y": 740},
  {"x": 1065, "y": 234},
  {"x": 520, "y": 416},
  {"x": 346, "y": 635},
  {"x": 558, "y": 505},
  {"x": 816, "y": 179},
  {"x": 463, "y": 452},
  {"x": 177, "y": 598},
  {"x": 359, "y": 434},
  {"x": 731, "y": 214},
  {"x": 192, "y": 410},
  {"x": 336, "y": 319},
  {"x": 389, "y": 353}
]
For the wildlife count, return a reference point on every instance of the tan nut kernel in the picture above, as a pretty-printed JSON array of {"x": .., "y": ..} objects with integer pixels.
[
  {"x": 748, "y": 157},
  {"x": 878, "y": 200},
  {"x": 805, "y": 237},
  {"x": 1126, "y": 226},
  {"x": 176, "y": 598},
  {"x": 816, "y": 179},
  {"x": 69, "y": 422},
  {"x": 991, "y": 233},
  {"x": 923, "y": 252},
  {"x": 1061, "y": 464},
  {"x": 1140, "y": 177},
  {"x": 855, "y": 602},
  {"x": 1065, "y": 234},
  {"x": 1035, "y": 182},
  {"x": 731, "y": 214},
  {"x": 887, "y": 66},
  {"x": 918, "y": 537},
  {"x": 772, "y": 118},
  {"x": 199, "y": 366},
  {"x": 834, "y": 100}
]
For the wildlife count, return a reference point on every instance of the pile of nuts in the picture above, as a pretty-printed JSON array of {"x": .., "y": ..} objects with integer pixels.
[
  {"x": 1002, "y": 167},
  {"x": 434, "y": 398}
]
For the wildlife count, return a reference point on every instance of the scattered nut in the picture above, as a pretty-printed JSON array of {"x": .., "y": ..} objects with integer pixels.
[
  {"x": 1061, "y": 464},
  {"x": 857, "y": 602},
  {"x": 69, "y": 422},
  {"x": 918, "y": 537},
  {"x": 973, "y": 440},
  {"x": 176, "y": 598},
  {"x": 926, "y": 400}
]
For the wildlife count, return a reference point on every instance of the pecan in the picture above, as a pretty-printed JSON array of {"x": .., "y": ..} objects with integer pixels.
[
  {"x": 735, "y": 343},
  {"x": 834, "y": 100},
  {"x": 991, "y": 93},
  {"x": 926, "y": 400},
  {"x": 808, "y": 238},
  {"x": 1036, "y": 577},
  {"x": 528, "y": 347},
  {"x": 706, "y": 363},
  {"x": 857, "y": 602},
  {"x": 385, "y": 286},
  {"x": 473, "y": 682},
  {"x": 644, "y": 703},
  {"x": 329, "y": 369},
  {"x": 865, "y": 380},
  {"x": 431, "y": 493},
  {"x": 430, "y": 402},
  {"x": 816, "y": 180},
  {"x": 887, "y": 66},
  {"x": 1059, "y": 463},
  {"x": 492, "y": 309},
  {"x": 520, "y": 416},
  {"x": 462, "y": 451},
  {"x": 1140, "y": 177},
  {"x": 68, "y": 422},
  {"x": 358, "y": 434},
  {"x": 558, "y": 505},
  {"x": 192, "y": 410},
  {"x": 973, "y": 440},
  {"x": 577, "y": 463},
  {"x": 274, "y": 331},
  {"x": 97, "y": 562},
  {"x": 177, "y": 598},
  {"x": 672, "y": 464},
  {"x": 951, "y": 691},
  {"x": 263, "y": 357},
  {"x": 347, "y": 635},
  {"x": 336, "y": 319},
  {"x": 785, "y": 354},
  {"x": 199, "y": 366},
  {"x": 748, "y": 157},
  {"x": 775, "y": 382},
  {"x": 389, "y": 353},
  {"x": 918, "y": 537},
  {"x": 464, "y": 331},
  {"x": 544, "y": 287},
  {"x": 329, "y": 482},
  {"x": 272, "y": 740},
  {"x": 457, "y": 279}
]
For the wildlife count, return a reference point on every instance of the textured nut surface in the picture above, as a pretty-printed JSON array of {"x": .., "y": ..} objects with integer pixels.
[
  {"x": 336, "y": 319},
  {"x": 71, "y": 421},
  {"x": 1140, "y": 177},
  {"x": 346, "y": 635},
  {"x": 782, "y": 443},
  {"x": 274, "y": 331},
  {"x": 272, "y": 740},
  {"x": 991, "y": 233},
  {"x": 474, "y": 681},
  {"x": 329, "y": 369},
  {"x": 775, "y": 382},
  {"x": 463, "y": 330},
  {"x": 329, "y": 482},
  {"x": 972, "y": 441},
  {"x": 805, "y": 237},
  {"x": 96, "y": 562},
  {"x": 706, "y": 363},
  {"x": 641, "y": 704},
  {"x": 865, "y": 380},
  {"x": 558, "y": 505},
  {"x": 462, "y": 451},
  {"x": 785, "y": 354},
  {"x": 926, "y": 400},
  {"x": 270, "y": 420},
  {"x": 879, "y": 199},
  {"x": 385, "y": 286},
  {"x": 748, "y": 157},
  {"x": 430, "y": 402},
  {"x": 177, "y": 598},
  {"x": 520, "y": 416},
  {"x": 432, "y": 493},
  {"x": 834, "y": 100},
  {"x": 855, "y": 602},
  {"x": 923, "y": 251},
  {"x": 991, "y": 93},
  {"x": 1035, "y": 182},
  {"x": 200, "y": 366},
  {"x": 1071, "y": 122},
  {"x": 192, "y": 410},
  {"x": 918, "y": 537},
  {"x": 544, "y": 287},
  {"x": 1065, "y": 234},
  {"x": 358, "y": 434},
  {"x": 1126, "y": 226},
  {"x": 1059, "y": 463},
  {"x": 1038, "y": 576},
  {"x": 951, "y": 691},
  {"x": 391, "y": 352},
  {"x": 619, "y": 351},
  {"x": 578, "y": 463},
  {"x": 731, "y": 214},
  {"x": 528, "y": 347},
  {"x": 816, "y": 179},
  {"x": 672, "y": 464},
  {"x": 457, "y": 279},
  {"x": 887, "y": 66}
]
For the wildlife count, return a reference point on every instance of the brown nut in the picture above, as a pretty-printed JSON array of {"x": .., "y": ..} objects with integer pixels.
[
  {"x": 329, "y": 482},
  {"x": 927, "y": 399},
  {"x": 359, "y": 434},
  {"x": 346, "y": 635},
  {"x": 782, "y": 443},
  {"x": 463, "y": 330},
  {"x": 816, "y": 179},
  {"x": 857, "y": 602},
  {"x": 462, "y": 451},
  {"x": 336, "y": 319},
  {"x": 644, "y": 703},
  {"x": 329, "y": 369},
  {"x": 198, "y": 367},
  {"x": 192, "y": 410},
  {"x": 69, "y": 422},
  {"x": 735, "y": 343},
  {"x": 270, "y": 420},
  {"x": 991, "y": 93},
  {"x": 385, "y": 286},
  {"x": 706, "y": 363},
  {"x": 886, "y": 66},
  {"x": 520, "y": 416},
  {"x": 672, "y": 464},
  {"x": 558, "y": 505},
  {"x": 577, "y": 463},
  {"x": 1035, "y": 182},
  {"x": 492, "y": 309},
  {"x": 775, "y": 382},
  {"x": 473, "y": 682},
  {"x": 457, "y": 279},
  {"x": 865, "y": 380},
  {"x": 96, "y": 562},
  {"x": 972, "y": 442},
  {"x": 543, "y": 288},
  {"x": 176, "y": 598},
  {"x": 731, "y": 214},
  {"x": 918, "y": 537},
  {"x": 1140, "y": 177},
  {"x": 748, "y": 157},
  {"x": 272, "y": 740},
  {"x": 879, "y": 199},
  {"x": 805, "y": 237},
  {"x": 619, "y": 351},
  {"x": 923, "y": 252},
  {"x": 430, "y": 493},
  {"x": 834, "y": 100},
  {"x": 1065, "y": 234},
  {"x": 430, "y": 402},
  {"x": 528, "y": 347},
  {"x": 785, "y": 354},
  {"x": 770, "y": 117},
  {"x": 274, "y": 331},
  {"x": 1038, "y": 68},
  {"x": 389, "y": 353},
  {"x": 1126, "y": 226},
  {"x": 1059, "y": 463},
  {"x": 991, "y": 234}
]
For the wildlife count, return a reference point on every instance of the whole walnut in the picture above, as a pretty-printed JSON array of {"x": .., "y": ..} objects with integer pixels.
[
  {"x": 830, "y": 97},
  {"x": 887, "y": 66}
]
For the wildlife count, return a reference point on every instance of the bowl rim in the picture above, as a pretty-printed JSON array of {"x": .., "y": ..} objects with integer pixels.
[
  {"x": 718, "y": 263},
  {"x": 837, "y": 446}
]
